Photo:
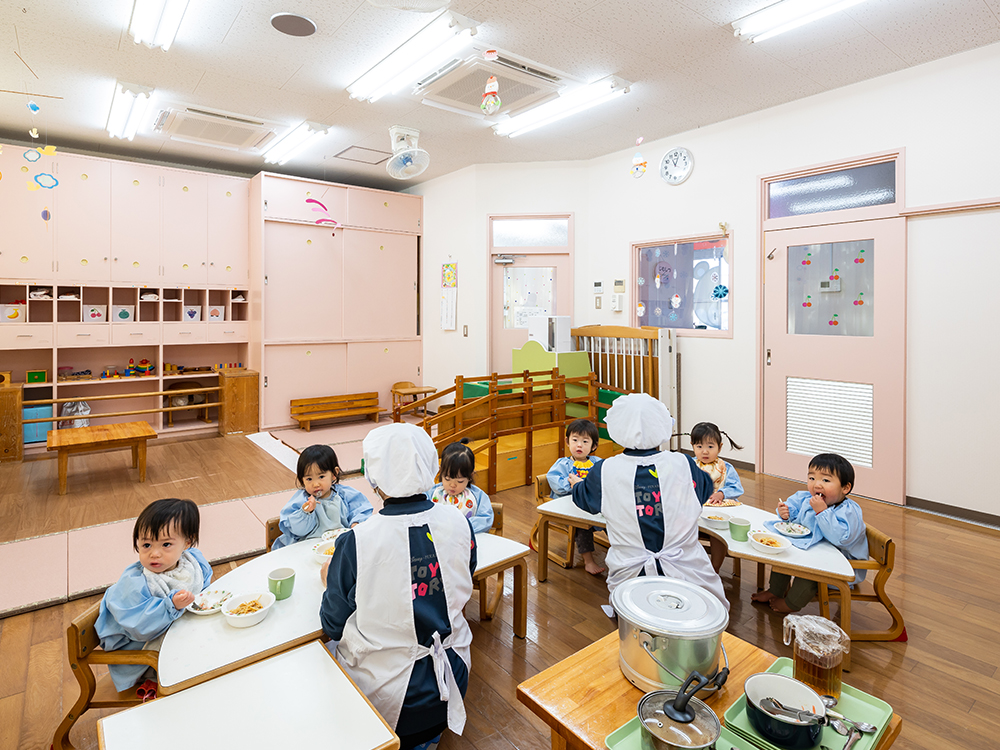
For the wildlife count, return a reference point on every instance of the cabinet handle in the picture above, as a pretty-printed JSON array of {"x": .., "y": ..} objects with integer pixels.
[
  {"x": 135, "y": 334},
  {"x": 25, "y": 335},
  {"x": 229, "y": 331},
  {"x": 182, "y": 333},
  {"x": 83, "y": 334}
]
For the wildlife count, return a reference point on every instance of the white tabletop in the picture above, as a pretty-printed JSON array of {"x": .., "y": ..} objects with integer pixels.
[
  {"x": 196, "y": 645},
  {"x": 300, "y": 698},
  {"x": 821, "y": 558}
]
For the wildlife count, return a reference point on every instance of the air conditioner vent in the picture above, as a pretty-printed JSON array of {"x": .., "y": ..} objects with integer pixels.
[
  {"x": 216, "y": 129},
  {"x": 515, "y": 65}
]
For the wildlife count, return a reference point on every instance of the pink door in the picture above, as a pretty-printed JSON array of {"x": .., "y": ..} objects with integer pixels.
[
  {"x": 83, "y": 219},
  {"x": 385, "y": 305},
  {"x": 26, "y": 210},
  {"x": 184, "y": 228},
  {"x": 532, "y": 262},
  {"x": 135, "y": 222},
  {"x": 835, "y": 351}
]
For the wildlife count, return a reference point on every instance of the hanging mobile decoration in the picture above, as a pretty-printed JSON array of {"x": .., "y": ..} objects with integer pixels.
[
  {"x": 639, "y": 140},
  {"x": 808, "y": 302},
  {"x": 490, "y": 54},
  {"x": 491, "y": 99},
  {"x": 720, "y": 292},
  {"x": 638, "y": 166},
  {"x": 34, "y": 134},
  {"x": 675, "y": 301},
  {"x": 33, "y": 107},
  {"x": 860, "y": 301}
]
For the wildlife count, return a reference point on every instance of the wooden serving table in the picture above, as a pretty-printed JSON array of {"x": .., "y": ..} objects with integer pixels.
[
  {"x": 585, "y": 697},
  {"x": 105, "y": 437}
]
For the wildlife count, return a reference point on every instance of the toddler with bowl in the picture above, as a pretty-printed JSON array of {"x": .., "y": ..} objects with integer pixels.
[{"x": 827, "y": 511}]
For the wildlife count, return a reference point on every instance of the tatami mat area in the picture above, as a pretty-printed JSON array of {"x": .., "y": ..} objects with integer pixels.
[{"x": 58, "y": 567}]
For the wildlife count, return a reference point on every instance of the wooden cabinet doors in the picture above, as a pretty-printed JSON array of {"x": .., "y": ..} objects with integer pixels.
[
  {"x": 25, "y": 214},
  {"x": 184, "y": 222},
  {"x": 380, "y": 285},
  {"x": 82, "y": 219},
  {"x": 289, "y": 199},
  {"x": 380, "y": 210},
  {"x": 228, "y": 230},
  {"x": 135, "y": 222},
  {"x": 301, "y": 371}
]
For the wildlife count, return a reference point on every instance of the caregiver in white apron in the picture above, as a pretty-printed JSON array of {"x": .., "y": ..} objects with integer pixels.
[
  {"x": 396, "y": 588},
  {"x": 650, "y": 498}
]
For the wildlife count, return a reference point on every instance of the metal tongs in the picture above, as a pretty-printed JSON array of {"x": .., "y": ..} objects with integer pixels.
[{"x": 771, "y": 706}]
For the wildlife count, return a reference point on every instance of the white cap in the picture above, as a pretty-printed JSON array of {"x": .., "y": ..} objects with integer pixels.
[
  {"x": 400, "y": 459},
  {"x": 639, "y": 421}
]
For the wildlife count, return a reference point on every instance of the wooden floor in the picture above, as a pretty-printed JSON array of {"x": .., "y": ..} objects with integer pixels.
[{"x": 944, "y": 682}]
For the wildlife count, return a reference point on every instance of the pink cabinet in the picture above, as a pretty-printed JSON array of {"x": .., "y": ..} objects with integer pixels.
[
  {"x": 376, "y": 365},
  {"x": 26, "y": 209},
  {"x": 286, "y": 198},
  {"x": 380, "y": 285},
  {"x": 184, "y": 223},
  {"x": 303, "y": 271},
  {"x": 228, "y": 230},
  {"x": 301, "y": 371},
  {"x": 82, "y": 219},
  {"x": 135, "y": 222},
  {"x": 377, "y": 209}
]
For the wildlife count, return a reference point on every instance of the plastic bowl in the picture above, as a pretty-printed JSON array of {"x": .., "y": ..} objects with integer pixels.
[
  {"x": 791, "y": 693},
  {"x": 320, "y": 551},
  {"x": 715, "y": 524},
  {"x": 333, "y": 534},
  {"x": 755, "y": 542},
  {"x": 246, "y": 621}
]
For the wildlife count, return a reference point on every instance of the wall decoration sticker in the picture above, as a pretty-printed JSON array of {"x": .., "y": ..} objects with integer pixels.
[
  {"x": 320, "y": 208},
  {"x": 833, "y": 321},
  {"x": 808, "y": 302},
  {"x": 46, "y": 180},
  {"x": 720, "y": 291},
  {"x": 640, "y": 309},
  {"x": 860, "y": 301}
]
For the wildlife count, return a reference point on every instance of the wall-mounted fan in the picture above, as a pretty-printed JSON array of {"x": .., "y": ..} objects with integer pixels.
[{"x": 407, "y": 160}]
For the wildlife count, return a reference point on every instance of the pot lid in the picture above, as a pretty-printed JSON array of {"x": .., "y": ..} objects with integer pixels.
[
  {"x": 702, "y": 732},
  {"x": 667, "y": 606}
]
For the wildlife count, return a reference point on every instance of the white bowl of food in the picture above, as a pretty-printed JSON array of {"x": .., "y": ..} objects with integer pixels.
[
  {"x": 209, "y": 602},
  {"x": 247, "y": 610},
  {"x": 333, "y": 534},
  {"x": 324, "y": 550},
  {"x": 715, "y": 518},
  {"x": 768, "y": 543}
]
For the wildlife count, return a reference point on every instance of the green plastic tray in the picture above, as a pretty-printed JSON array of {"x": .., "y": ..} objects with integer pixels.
[
  {"x": 629, "y": 737},
  {"x": 855, "y": 704}
]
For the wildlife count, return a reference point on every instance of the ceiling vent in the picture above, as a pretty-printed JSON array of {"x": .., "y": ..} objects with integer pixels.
[
  {"x": 458, "y": 85},
  {"x": 216, "y": 129}
]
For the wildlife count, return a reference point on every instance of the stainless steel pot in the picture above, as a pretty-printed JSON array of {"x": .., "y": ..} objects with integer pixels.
[{"x": 667, "y": 630}]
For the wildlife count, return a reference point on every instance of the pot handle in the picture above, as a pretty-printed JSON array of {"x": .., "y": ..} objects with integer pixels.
[
  {"x": 717, "y": 679},
  {"x": 678, "y": 710}
]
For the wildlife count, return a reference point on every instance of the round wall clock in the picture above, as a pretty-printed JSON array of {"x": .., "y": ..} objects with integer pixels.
[{"x": 676, "y": 165}]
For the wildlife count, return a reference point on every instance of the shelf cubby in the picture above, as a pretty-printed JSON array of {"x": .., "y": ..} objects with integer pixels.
[{"x": 40, "y": 310}]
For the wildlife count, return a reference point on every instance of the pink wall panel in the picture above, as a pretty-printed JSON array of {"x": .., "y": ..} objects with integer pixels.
[
  {"x": 286, "y": 199},
  {"x": 380, "y": 285},
  {"x": 381, "y": 210},
  {"x": 376, "y": 365},
  {"x": 301, "y": 371}
]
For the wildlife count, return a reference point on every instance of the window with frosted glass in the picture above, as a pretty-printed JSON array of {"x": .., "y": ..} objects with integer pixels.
[
  {"x": 684, "y": 285},
  {"x": 527, "y": 292},
  {"x": 530, "y": 232},
  {"x": 860, "y": 187},
  {"x": 831, "y": 289}
]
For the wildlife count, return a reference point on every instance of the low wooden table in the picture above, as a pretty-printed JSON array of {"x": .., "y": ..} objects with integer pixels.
[
  {"x": 105, "y": 437},
  {"x": 585, "y": 697},
  {"x": 399, "y": 394}
]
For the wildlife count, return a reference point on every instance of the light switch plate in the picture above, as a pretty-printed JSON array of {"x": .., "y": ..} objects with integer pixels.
[{"x": 597, "y": 303}]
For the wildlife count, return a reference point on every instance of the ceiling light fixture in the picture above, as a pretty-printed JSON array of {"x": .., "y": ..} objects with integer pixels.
[
  {"x": 127, "y": 110},
  {"x": 155, "y": 22},
  {"x": 443, "y": 38},
  {"x": 294, "y": 142},
  {"x": 785, "y": 16},
  {"x": 568, "y": 104}
]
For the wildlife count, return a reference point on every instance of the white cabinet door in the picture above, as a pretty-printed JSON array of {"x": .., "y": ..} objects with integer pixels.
[
  {"x": 228, "y": 230},
  {"x": 82, "y": 219},
  {"x": 135, "y": 222},
  {"x": 25, "y": 213},
  {"x": 184, "y": 221}
]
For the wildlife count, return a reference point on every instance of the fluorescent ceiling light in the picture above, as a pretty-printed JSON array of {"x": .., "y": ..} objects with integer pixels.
[
  {"x": 442, "y": 39},
  {"x": 785, "y": 16},
  {"x": 575, "y": 101},
  {"x": 294, "y": 142},
  {"x": 127, "y": 109},
  {"x": 155, "y": 22}
]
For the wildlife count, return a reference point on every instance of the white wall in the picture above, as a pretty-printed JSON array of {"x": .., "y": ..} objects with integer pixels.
[{"x": 940, "y": 112}]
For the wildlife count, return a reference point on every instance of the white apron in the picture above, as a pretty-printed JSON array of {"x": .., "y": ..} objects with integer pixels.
[
  {"x": 681, "y": 555},
  {"x": 379, "y": 646}
]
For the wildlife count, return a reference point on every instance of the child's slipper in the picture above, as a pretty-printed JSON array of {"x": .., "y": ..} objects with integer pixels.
[{"x": 147, "y": 690}]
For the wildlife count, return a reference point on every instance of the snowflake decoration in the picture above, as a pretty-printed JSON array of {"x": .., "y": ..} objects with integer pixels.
[
  {"x": 715, "y": 277},
  {"x": 673, "y": 316},
  {"x": 720, "y": 292},
  {"x": 657, "y": 252},
  {"x": 641, "y": 281},
  {"x": 658, "y": 312}
]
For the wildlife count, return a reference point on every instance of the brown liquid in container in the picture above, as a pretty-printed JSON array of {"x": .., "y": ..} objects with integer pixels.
[{"x": 820, "y": 671}]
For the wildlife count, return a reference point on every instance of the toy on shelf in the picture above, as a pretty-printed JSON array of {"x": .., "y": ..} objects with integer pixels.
[
  {"x": 109, "y": 371},
  {"x": 36, "y": 376},
  {"x": 145, "y": 367},
  {"x": 80, "y": 375},
  {"x": 169, "y": 369},
  {"x": 227, "y": 366}
]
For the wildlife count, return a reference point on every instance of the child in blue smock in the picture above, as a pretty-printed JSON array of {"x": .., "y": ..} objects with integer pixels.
[
  {"x": 322, "y": 504},
  {"x": 457, "y": 487},
  {"x": 581, "y": 442},
  {"x": 153, "y": 592},
  {"x": 827, "y": 511},
  {"x": 706, "y": 442}
]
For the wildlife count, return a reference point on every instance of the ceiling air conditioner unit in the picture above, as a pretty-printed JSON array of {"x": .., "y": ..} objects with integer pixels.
[
  {"x": 215, "y": 129},
  {"x": 458, "y": 85}
]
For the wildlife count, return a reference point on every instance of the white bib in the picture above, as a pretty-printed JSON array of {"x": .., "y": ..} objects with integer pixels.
[
  {"x": 681, "y": 555},
  {"x": 379, "y": 646}
]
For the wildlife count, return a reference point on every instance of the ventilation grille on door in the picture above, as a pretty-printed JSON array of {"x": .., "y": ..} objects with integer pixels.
[
  {"x": 214, "y": 129},
  {"x": 827, "y": 416},
  {"x": 459, "y": 85}
]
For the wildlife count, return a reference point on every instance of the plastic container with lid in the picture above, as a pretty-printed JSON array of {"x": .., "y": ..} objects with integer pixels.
[{"x": 817, "y": 653}]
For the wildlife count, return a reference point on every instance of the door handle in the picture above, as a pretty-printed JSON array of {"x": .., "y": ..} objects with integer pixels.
[
  {"x": 768, "y": 357},
  {"x": 770, "y": 255}
]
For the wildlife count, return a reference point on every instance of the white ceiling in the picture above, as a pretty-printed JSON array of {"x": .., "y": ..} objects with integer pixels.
[{"x": 686, "y": 67}]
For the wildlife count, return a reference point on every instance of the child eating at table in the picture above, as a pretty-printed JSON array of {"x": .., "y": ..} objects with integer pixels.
[
  {"x": 581, "y": 442},
  {"x": 706, "y": 442},
  {"x": 322, "y": 504},
  {"x": 153, "y": 592},
  {"x": 827, "y": 511},
  {"x": 457, "y": 486}
]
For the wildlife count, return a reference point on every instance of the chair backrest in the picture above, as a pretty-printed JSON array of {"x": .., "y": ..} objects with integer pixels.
[
  {"x": 497, "y": 527},
  {"x": 81, "y": 635},
  {"x": 880, "y": 547},
  {"x": 403, "y": 384},
  {"x": 542, "y": 491},
  {"x": 271, "y": 532}
]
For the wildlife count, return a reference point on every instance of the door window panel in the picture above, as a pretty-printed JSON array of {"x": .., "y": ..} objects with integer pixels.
[
  {"x": 530, "y": 232},
  {"x": 831, "y": 289},
  {"x": 684, "y": 285},
  {"x": 860, "y": 187},
  {"x": 527, "y": 292}
]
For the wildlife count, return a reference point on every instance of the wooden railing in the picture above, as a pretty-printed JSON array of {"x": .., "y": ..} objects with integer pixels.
[{"x": 135, "y": 412}]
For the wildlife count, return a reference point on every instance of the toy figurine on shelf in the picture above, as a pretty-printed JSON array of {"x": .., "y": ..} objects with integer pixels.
[
  {"x": 130, "y": 370},
  {"x": 109, "y": 372},
  {"x": 145, "y": 367}
]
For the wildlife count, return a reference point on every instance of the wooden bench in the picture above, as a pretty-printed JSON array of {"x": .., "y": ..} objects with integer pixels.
[
  {"x": 305, "y": 411},
  {"x": 103, "y": 437}
]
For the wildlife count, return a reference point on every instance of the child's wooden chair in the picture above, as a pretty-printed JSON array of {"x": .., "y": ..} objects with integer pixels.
[
  {"x": 83, "y": 647},
  {"x": 542, "y": 494},
  {"x": 882, "y": 556},
  {"x": 271, "y": 532},
  {"x": 488, "y": 606}
]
